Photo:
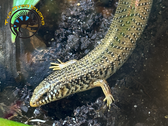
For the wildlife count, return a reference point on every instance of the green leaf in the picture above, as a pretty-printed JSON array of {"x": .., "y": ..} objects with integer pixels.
[{"x": 5, "y": 122}]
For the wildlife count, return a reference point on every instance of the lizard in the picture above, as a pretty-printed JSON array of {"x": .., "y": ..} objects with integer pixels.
[{"x": 102, "y": 62}]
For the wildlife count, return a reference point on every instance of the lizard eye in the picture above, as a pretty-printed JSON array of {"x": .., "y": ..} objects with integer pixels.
[{"x": 44, "y": 95}]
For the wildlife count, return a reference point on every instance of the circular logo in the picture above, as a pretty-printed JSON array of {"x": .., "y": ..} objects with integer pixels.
[{"x": 24, "y": 20}]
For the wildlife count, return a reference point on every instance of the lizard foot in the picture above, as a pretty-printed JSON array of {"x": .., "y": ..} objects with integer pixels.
[
  {"x": 109, "y": 98},
  {"x": 60, "y": 65}
]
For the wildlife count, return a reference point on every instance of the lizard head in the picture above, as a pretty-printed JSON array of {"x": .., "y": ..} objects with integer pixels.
[{"x": 46, "y": 92}]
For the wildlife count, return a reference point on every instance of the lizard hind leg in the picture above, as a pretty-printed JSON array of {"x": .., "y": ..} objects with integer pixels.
[
  {"x": 106, "y": 90},
  {"x": 60, "y": 65}
]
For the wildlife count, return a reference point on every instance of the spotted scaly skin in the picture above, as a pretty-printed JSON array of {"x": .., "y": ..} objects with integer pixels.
[{"x": 92, "y": 70}]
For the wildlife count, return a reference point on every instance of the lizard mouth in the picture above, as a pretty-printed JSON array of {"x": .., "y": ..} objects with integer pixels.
[{"x": 42, "y": 100}]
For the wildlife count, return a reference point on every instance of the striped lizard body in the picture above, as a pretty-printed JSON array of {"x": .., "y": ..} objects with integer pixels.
[{"x": 92, "y": 70}]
